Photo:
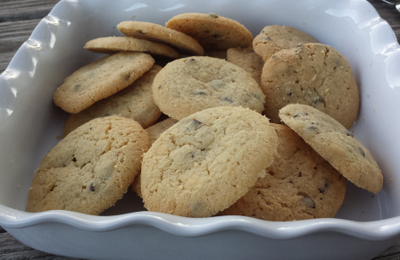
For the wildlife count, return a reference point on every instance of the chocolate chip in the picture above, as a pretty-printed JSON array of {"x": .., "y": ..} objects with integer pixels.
[
  {"x": 312, "y": 128},
  {"x": 76, "y": 87},
  {"x": 361, "y": 151},
  {"x": 201, "y": 93},
  {"x": 267, "y": 38},
  {"x": 216, "y": 36},
  {"x": 212, "y": 15},
  {"x": 191, "y": 154},
  {"x": 227, "y": 99},
  {"x": 300, "y": 174},
  {"x": 308, "y": 202},
  {"x": 319, "y": 100},
  {"x": 159, "y": 87},
  {"x": 300, "y": 114},
  {"x": 74, "y": 159},
  {"x": 273, "y": 56},
  {"x": 127, "y": 77},
  {"x": 349, "y": 134},
  {"x": 196, "y": 123},
  {"x": 140, "y": 31},
  {"x": 191, "y": 60},
  {"x": 290, "y": 93},
  {"x": 92, "y": 188},
  {"x": 324, "y": 187}
]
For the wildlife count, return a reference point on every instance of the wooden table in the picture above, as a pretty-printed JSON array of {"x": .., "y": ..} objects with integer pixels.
[{"x": 18, "y": 18}]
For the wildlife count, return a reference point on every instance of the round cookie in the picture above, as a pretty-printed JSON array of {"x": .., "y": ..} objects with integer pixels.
[
  {"x": 90, "y": 169},
  {"x": 158, "y": 33},
  {"x": 207, "y": 161},
  {"x": 110, "y": 45},
  {"x": 101, "y": 79},
  {"x": 313, "y": 74},
  {"x": 212, "y": 31},
  {"x": 135, "y": 102},
  {"x": 274, "y": 38},
  {"x": 335, "y": 144},
  {"x": 248, "y": 60},
  {"x": 298, "y": 185},
  {"x": 191, "y": 84}
]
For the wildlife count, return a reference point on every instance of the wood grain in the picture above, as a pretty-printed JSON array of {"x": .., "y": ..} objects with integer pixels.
[{"x": 18, "y": 18}]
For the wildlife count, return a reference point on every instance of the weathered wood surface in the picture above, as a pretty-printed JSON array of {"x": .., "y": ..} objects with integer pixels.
[{"x": 18, "y": 18}]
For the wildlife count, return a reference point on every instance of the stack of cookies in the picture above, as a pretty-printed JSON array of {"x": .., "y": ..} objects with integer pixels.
[{"x": 201, "y": 119}]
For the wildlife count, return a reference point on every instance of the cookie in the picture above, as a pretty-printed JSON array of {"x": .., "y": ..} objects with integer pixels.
[
  {"x": 207, "y": 161},
  {"x": 335, "y": 144},
  {"x": 313, "y": 74},
  {"x": 212, "y": 31},
  {"x": 191, "y": 84},
  {"x": 298, "y": 185},
  {"x": 158, "y": 33},
  {"x": 101, "y": 79},
  {"x": 216, "y": 54},
  {"x": 274, "y": 38},
  {"x": 248, "y": 60},
  {"x": 90, "y": 169},
  {"x": 135, "y": 102},
  {"x": 110, "y": 45}
]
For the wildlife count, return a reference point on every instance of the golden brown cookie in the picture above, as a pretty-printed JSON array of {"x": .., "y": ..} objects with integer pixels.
[
  {"x": 90, "y": 169},
  {"x": 313, "y": 74},
  {"x": 110, "y": 45},
  {"x": 213, "y": 32},
  {"x": 158, "y": 33},
  {"x": 248, "y": 60},
  {"x": 298, "y": 185},
  {"x": 191, "y": 84},
  {"x": 207, "y": 161},
  {"x": 101, "y": 79},
  {"x": 335, "y": 144},
  {"x": 135, "y": 102},
  {"x": 274, "y": 38}
]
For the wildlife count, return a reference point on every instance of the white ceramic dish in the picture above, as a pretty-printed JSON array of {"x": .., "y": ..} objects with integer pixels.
[{"x": 366, "y": 224}]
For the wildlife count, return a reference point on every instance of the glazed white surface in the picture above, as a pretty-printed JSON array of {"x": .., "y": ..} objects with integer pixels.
[{"x": 30, "y": 125}]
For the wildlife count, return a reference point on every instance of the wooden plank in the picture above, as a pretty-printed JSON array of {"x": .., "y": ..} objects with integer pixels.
[
  {"x": 11, "y": 10},
  {"x": 12, "y": 36},
  {"x": 390, "y": 14},
  {"x": 12, "y": 249}
]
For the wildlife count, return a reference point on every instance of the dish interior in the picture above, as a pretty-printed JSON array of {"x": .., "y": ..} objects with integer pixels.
[{"x": 30, "y": 124}]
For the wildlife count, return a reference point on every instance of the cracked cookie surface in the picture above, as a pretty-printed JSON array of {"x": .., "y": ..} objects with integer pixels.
[
  {"x": 274, "y": 38},
  {"x": 101, "y": 79},
  {"x": 135, "y": 102},
  {"x": 313, "y": 74},
  {"x": 298, "y": 185},
  {"x": 90, "y": 169},
  {"x": 207, "y": 161},
  {"x": 335, "y": 144},
  {"x": 213, "y": 32},
  {"x": 191, "y": 84}
]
